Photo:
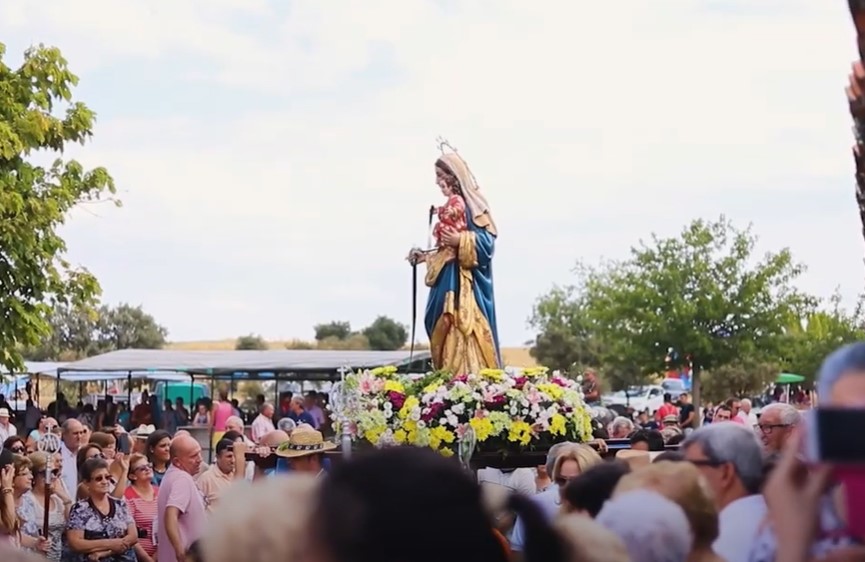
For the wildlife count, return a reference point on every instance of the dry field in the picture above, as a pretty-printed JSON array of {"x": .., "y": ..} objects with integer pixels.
[{"x": 513, "y": 356}]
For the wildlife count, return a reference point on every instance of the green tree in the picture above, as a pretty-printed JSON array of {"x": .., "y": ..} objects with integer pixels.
[
  {"x": 739, "y": 379},
  {"x": 34, "y": 199},
  {"x": 127, "y": 327},
  {"x": 338, "y": 330},
  {"x": 386, "y": 334},
  {"x": 250, "y": 342},
  {"x": 78, "y": 332},
  {"x": 354, "y": 342},
  {"x": 816, "y": 333},
  {"x": 703, "y": 293},
  {"x": 566, "y": 339}
]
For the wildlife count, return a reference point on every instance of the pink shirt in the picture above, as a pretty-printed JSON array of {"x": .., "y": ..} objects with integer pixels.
[
  {"x": 221, "y": 413},
  {"x": 261, "y": 426},
  {"x": 178, "y": 490}
]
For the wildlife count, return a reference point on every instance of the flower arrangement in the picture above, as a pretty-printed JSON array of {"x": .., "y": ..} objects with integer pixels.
[{"x": 507, "y": 412}]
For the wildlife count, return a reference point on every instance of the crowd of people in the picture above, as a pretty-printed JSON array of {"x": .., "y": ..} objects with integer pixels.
[{"x": 735, "y": 490}]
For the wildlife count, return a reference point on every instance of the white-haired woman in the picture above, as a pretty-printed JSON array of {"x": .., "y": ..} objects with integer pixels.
[{"x": 621, "y": 428}]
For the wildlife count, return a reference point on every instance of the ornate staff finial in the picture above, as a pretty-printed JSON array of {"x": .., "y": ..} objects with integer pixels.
[{"x": 443, "y": 143}]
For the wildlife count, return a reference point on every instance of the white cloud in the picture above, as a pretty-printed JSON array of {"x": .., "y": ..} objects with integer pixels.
[{"x": 570, "y": 113}]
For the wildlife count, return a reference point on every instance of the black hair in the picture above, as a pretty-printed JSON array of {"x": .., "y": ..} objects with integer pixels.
[
  {"x": 92, "y": 465},
  {"x": 224, "y": 445},
  {"x": 231, "y": 436},
  {"x": 153, "y": 440},
  {"x": 591, "y": 489},
  {"x": 676, "y": 439},
  {"x": 652, "y": 437},
  {"x": 671, "y": 456},
  {"x": 403, "y": 489},
  {"x": 12, "y": 440}
]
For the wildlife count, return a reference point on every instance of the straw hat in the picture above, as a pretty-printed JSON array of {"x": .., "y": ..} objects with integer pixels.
[
  {"x": 304, "y": 442},
  {"x": 142, "y": 431}
]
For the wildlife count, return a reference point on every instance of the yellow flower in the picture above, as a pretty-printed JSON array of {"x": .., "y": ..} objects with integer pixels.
[
  {"x": 482, "y": 427},
  {"x": 535, "y": 371},
  {"x": 439, "y": 435},
  {"x": 558, "y": 424},
  {"x": 493, "y": 374},
  {"x": 394, "y": 386},
  {"x": 374, "y": 433},
  {"x": 446, "y": 452},
  {"x": 383, "y": 371},
  {"x": 410, "y": 403},
  {"x": 520, "y": 432},
  {"x": 554, "y": 391},
  {"x": 432, "y": 387},
  {"x": 400, "y": 436}
]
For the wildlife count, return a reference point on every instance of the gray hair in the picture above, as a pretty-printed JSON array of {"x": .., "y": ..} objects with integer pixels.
[
  {"x": 745, "y": 402},
  {"x": 553, "y": 454},
  {"x": 663, "y": 537},
  {"x": 286, "y": 424},
  {"x": 787, "y": 413},
  {"x": 844, "y": 360},
  {"x": 622, "y": 421},
  {"x": 735, "y": 444}
]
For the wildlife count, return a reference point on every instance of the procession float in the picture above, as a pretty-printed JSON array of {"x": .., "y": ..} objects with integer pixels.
[{"x": 469, "y": 405}]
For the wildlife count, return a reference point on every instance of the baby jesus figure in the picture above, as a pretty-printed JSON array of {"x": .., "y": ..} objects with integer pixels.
[{"x": 452, "y": 216}]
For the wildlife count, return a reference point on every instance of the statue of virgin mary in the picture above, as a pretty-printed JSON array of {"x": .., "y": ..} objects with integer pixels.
[{"x": 460, "y": 317}]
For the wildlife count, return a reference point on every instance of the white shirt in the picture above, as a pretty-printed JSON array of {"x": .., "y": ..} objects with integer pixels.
[
  {"x": 69, "y": 472},
  {"x": 550, "y": 503},
  {"x": 738, "y": 526},
  {"x": 749, "y": 419},
  {"x": 7, "y": 431}
]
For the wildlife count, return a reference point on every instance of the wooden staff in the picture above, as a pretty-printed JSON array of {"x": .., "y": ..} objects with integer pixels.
[{"x": 48, "y": 444}]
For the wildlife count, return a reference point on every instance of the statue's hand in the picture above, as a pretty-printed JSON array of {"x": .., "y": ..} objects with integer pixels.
[
  {"x": 451, "y": 238},
  {"x": 415, "y": 256}
]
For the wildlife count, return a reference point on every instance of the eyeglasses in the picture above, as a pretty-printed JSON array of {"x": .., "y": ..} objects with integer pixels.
[
  {"x": 100, "y": 478},
  {"x": 55, "y": 472},
  {"x": 143, "y": 468},
  {"x": 767, "y": 428},
  {"x": 563, "y": 481}
]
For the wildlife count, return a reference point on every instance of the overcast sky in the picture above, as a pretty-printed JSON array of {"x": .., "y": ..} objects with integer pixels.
[{"x": 275, "y": 159}]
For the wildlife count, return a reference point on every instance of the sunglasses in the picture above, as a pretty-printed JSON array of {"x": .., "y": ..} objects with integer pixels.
[
  {"x": 101, "y": 478},
  {"x": 55, "y": 472},
  {"x": 143, "y": 468},
  {"x": 18, "y": 450}
]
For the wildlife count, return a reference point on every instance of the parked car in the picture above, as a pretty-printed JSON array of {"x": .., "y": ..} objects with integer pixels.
[
  {"x": 675, "y": 387},
  {"x": 639, "y": 398}
]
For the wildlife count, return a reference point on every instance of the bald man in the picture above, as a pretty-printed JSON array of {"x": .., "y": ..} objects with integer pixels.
[{"x": 179, "y": 503}]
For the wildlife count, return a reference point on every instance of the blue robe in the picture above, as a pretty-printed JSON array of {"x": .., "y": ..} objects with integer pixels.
[{"x": 482, "y": 284}]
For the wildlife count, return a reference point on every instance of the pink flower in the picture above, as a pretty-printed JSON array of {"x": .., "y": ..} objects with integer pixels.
[{"x": 396, "y": 398}]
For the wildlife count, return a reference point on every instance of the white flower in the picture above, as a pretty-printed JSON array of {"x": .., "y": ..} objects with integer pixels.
[
  {"x": 459, "y": 409},
  {"x": 443, "y": 421},
  {"x": 452, "y": 420},
  {"x": 420, "y": 423}
]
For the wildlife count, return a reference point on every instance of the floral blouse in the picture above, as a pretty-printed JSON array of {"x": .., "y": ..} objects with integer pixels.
[
  {"x": 31, "y": 513},
  {"x": 97, "y": 526}
]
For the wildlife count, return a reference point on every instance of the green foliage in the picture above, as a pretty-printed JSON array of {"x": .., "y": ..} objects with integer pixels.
[
  {"x": 250, "y": 342},
  {"x": 38, "y": 115},
  {"x": 80, "y": 332},
  {"x": 299, "y": 344},
  {"x": 816, "y": 333},
  {"x": 740, "y": 379},
  {"x": 386, "y": 334},
  {"x": 566, "y": 339},
  {"x": 337, "y": 330},
  {"x": 354, "y": 342}
]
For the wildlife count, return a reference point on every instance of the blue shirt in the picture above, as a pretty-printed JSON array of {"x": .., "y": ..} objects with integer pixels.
[{"x": 303, "y": 417}]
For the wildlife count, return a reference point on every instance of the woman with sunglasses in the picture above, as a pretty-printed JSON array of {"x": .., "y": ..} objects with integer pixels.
[
  {"x": 117, "y": 467},
  {"x": 101, "y": 526},
  {"x": 22, "y": 484},
  {"x": 31, "y": 507},
  {"x": 15, "y": 444},
  {"x": 141, "y": 498}
]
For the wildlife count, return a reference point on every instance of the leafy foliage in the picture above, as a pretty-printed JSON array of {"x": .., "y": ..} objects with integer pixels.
[
  {"x": 338, "y": 330},
  {"x": 386, "y": 334},
  {"x": 38, "y": 114},
  {"x": 739, "y": 379},
  {"x": 704, "y": 292},
  {"x": 80, "y": 332},
  {"x": 250, "y": 342}
]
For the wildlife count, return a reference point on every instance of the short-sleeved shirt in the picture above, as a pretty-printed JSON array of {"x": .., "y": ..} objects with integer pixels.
[
  {"x": 178, "y": 490},
  {"x": 144, "y": 513},
  {"x": 98, "y": 526}
]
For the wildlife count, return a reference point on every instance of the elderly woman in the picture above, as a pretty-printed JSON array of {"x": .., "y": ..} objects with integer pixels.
[
  {"x": 99, "y": 526},
  {"x": 665, "y": 536},
  {"x": 22, "y": 483},
  {"x": 31, "y": 506},
  {"x": 9, "y": 526},
  {"x": 141, "y": 499},
  {"x": 621, "y": 428},
  {"x": 681, "y": 483}
]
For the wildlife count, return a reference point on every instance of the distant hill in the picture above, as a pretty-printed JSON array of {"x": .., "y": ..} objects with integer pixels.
[{"x": 512, "y": 356}]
